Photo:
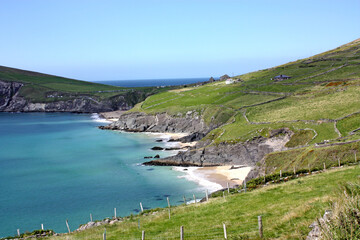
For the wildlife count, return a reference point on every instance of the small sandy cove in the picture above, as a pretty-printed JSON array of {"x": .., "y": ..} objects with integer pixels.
[{"x": 234, "y": 175}]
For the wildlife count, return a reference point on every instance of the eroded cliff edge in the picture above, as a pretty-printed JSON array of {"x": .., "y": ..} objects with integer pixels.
[
  {"x": 204, "y": 153},
  {"x": 12, "y": 101},
  {"x": 191, "y": 123}
]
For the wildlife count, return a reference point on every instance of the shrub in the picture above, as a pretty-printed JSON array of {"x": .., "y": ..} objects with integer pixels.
[{"x": 345, "y": 220}]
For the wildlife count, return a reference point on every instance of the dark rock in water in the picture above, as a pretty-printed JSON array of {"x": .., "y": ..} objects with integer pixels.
[
  {"x": 166, "y": 195},
  {"x": 136, "y": 210},
  {"x": 173, "y": 163},
  {"x": 158, "y": 140},
  {"x": 185, "y": 169},
  {"x": 148, "y": 157},
  {"x": 159, "y": 199},
  {"x": 157, "y": 148},
  {"x": 150, "y": 169},
  {"x": 171, "y": 149},
  {"x": 157, "y": 156}
]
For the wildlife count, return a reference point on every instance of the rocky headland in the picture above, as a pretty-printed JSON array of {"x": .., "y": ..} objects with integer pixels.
[
  {"x": 12, "y": 101},
  {"x": 203, "y": 153}
]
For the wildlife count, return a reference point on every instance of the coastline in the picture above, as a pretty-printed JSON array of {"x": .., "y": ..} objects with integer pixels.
[
  {"x": 215, "y": 178},
  {"x": 211, "y": 178}
]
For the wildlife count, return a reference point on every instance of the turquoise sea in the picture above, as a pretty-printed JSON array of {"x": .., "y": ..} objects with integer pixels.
[{"x": 58, "y": 166}]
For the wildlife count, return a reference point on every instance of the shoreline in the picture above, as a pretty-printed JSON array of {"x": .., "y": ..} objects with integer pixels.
[
  {"x": 212, "y": 178},
  {"x": 216, "y": 178}
]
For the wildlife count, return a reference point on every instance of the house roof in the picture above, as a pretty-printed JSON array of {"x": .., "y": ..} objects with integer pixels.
[{"x": 282, "y": 76}]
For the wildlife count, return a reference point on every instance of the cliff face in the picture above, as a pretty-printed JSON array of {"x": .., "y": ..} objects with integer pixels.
[
  {"x": 248, "y": 153},
  {"x": 204, "y": 153},
  {"x": 142, "y": 122},
  {"x": 8, "y": 93},
  {"x": 10, "y": 101}
]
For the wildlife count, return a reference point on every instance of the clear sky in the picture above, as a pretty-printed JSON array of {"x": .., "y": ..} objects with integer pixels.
[{"x": 144, "y": 39}]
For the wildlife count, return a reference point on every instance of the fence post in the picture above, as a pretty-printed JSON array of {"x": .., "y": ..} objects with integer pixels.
[
  {"x": 225, "y": 235},
  {"x": 339, "y": 162},
  {"x": 104, "y": 235},
  {"x": 264, "y": 178},
  {"x": 324, "y": 166},
  {"x": 42, "y": 226},
  {"x": 67, "y": 225},
  {"x": 141, "y": 207},
  {"x": 168, "y": 201},
  {"x": 184, "y": 200},
  {"x": 194, "y": 198},
  {"x": 355, "y": 157},
  {"x": 207, "y": 195},
  {"x": 91, "y": 217},
  {"x": 260, "y": 227},
  {"x": 182, "y": 233},
  {"x": 280, "y": 174},
  {"x": 224, "y": 194},
  {"x": 228, "y": 187},
  {"x": 143, "y": 235},
  {"x": 244, "y": 185},
  {"x": 114, "y": 212},
  {"x": 18, "y": 232},
  {"x": 294, "y": 171}
]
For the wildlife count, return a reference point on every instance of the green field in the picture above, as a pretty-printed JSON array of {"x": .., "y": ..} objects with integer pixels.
[
  {"x": 317, "y": 103},
  {"x": 287, "y": 210},
  {"x": 41, "y": 88}
]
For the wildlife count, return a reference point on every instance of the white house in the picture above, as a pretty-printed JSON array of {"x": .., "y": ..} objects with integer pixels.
[{"x": 229, "y": 81}]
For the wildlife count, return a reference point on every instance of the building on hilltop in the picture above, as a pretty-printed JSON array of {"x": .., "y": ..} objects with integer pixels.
[
  {"x": 229, "y": 81},
  {"x": 224, "y": 77},
  {"x": 281, "y": 77}
]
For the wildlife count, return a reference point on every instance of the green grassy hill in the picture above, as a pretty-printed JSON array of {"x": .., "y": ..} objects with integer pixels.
[
  {"x": 320, "y": 103},
  {"x": 42, "y": 88},
  {"x": 287, "y": 210}
]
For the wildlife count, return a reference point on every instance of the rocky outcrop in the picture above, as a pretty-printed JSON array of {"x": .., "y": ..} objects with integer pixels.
[
  {"x": 316, "y": 232},
  {"x": 191, "y": 123},
  {"x": 8, "y": 93},
  {"x": 247, "y": 153},
  {"x": 11, "y": 101}
]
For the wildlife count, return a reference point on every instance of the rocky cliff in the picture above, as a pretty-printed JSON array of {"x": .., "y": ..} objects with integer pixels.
[
  {"x": 204, "y": 153},
  {"x": 247, "y": 153},
  {"x": 11, "y": 101},
  {"x": 191, "y": 123}
]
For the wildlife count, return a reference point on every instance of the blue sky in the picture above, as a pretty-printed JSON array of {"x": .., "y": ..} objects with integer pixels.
[{"x": 144, "y": 39}]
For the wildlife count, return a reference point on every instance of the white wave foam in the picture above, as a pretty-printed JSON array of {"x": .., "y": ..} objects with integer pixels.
[
  {"x": 96, "y": 118},
  {"x": 195, "y": 176}
]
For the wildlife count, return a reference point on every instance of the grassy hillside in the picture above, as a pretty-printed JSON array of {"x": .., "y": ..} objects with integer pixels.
[
  {"x": 287, "y": 211},
  {"x": 40, "y": 87},
  {"x": 319, "y": 103}
]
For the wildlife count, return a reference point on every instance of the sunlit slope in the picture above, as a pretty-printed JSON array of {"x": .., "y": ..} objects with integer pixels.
[
  {"x": 287, "y": 211},
  {"x": 38, "y": 87},
  {"x": 322, "y": 94}
]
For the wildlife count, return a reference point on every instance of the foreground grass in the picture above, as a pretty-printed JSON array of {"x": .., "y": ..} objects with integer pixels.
[{"x": 287, "y": 209}]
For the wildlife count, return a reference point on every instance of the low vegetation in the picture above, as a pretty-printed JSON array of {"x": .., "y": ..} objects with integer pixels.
[
  {"x": 41, "y": 88},
  {"x": 344, "y": 222},
  {"x": 287, "y": 210},
  {"x": 319, "y": 103}
]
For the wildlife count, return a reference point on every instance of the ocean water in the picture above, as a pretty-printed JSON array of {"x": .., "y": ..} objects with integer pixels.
[
  {"x": 58, "y": 166},
  {"x": 153, "y": 82}
]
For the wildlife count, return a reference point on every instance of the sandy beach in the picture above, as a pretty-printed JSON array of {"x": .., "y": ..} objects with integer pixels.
[
  {"x": 216, "y": 178},
  {"x": 211, "y": 178}
]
